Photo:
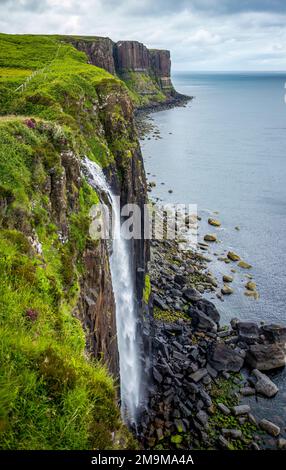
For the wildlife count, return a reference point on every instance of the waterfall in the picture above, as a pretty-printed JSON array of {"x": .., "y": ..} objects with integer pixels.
[{"x": 124, "y": 294}]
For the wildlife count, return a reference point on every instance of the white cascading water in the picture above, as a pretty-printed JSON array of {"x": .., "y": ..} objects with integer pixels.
[{"x": 124, "y": 294}]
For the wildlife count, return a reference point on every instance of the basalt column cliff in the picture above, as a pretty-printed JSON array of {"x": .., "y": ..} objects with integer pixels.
[{"x": 147, "y": 72}]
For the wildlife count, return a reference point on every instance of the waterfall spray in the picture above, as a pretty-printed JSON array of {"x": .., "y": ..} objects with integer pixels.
[{"x": 124, "y": 294}]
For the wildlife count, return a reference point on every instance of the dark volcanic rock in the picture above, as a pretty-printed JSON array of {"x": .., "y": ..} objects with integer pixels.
[
  {"x": 132, "y": 55},
  {"x": 192, "y": 295},
  {"x": 100, "y": 52},
  {"x": 201, "y": 321},
  {"x": 274, "y": 333},
  {"x": 209, "y": 309},
  {"x": 266, "y": 356},
  {"x": 179, "y": 279},
  {"x": 223, "y": 358},
  {"x": 159, "y": 302},
  {"x": 248, "y": 332}
]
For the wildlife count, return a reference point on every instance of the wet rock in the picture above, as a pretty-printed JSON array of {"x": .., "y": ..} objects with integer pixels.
[
  {"x": 210, "y": 237},
  {"x": 263, "y": 384},
  {"x": 226, "y": 290},
  {"x": 233, "y": 256},
  {"x": 250, "y": 285},
  {"x": 269, "y": 427},
  {"x": 248, "y": 332},
  {"x": 274, "y": 333},
  {"x": 266, "y": 356},
  {"x": 223, "y": 358},
  {"x": 244, "y": 265},
  {"x": 241, "y": 410},
  {"x": 197, "y": 376},
  {"x": 223, "y": 408},
  {"x": 214, "y": 222},
  {"x": 251, "y": 293},
  {"x": 227, "y": 278}
]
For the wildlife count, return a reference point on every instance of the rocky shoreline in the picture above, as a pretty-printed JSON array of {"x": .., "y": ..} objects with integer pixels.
[
  {"x": 202, "y": 371},
  {"x": 173, "y": 102},
  {"x": 198, "y": 388}
]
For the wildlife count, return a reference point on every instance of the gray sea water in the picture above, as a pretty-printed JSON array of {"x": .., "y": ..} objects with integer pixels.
[{"x": 226, "y": 152}]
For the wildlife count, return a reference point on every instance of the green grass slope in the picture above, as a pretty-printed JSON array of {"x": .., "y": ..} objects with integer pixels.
[{"x": 52, "y": 395}]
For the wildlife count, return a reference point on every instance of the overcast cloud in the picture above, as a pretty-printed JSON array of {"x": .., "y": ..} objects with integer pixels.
[{"x": 201, "y": 34}]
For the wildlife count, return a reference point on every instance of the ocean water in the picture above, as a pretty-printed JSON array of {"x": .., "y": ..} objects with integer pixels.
[{"x": 226, "y": 152}]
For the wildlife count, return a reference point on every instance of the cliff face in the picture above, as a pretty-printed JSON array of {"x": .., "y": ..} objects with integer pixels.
[
  {"x": 131, "y": 55},
  {"x": 161, "y": 66},
  {"x": 58, "y": 312},
  {"x": 99, "y": 51},
  {"x": 146, "y": 72}
]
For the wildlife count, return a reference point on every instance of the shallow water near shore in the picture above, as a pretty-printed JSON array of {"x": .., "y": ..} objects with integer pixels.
[{"x": 225, "y": 152}]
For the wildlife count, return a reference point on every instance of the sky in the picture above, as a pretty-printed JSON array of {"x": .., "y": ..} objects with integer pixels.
[{"x": 201, "y": 34}]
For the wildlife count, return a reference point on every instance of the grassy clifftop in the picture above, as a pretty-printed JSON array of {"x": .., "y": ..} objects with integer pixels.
[{"x": 52, "y": 394}]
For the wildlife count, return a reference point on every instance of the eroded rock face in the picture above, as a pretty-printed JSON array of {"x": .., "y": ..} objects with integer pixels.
[
  {"x": 97, "y": 305},
  {"x": 132, "y": 55},
  {"x": 100, "y": 52},
  {"x": 129, "y": 56},
  {"x": 161, "y": 67}
]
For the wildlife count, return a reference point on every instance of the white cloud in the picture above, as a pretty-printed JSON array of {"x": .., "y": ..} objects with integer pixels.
[{"x": 205, "y": 34}]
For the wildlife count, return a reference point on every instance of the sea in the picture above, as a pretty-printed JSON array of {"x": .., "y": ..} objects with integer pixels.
[{"x": 225, "y": 151}]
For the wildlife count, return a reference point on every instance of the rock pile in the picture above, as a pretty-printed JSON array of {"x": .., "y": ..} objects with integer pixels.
[{"x": 192, "y": 354}]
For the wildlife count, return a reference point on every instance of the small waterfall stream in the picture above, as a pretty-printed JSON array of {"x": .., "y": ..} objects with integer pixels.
[{"x": 124, "y": 293}]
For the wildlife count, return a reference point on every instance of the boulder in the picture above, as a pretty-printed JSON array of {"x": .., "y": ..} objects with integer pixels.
[
  {"x": 197, "y": 376},
  {"x": 227, "y": 278},
  {"x": 223, "y": 358},
  {"x": 158, "y": 302},
  {"x": 250, "y": 285},
  {"x": 263, "y": 384},
  {"x": 269, "y": 427},
  {"x": 248, "y": 332},
  {"x": 274, "y": 333},
  {"x": 251, "y": 293},
  {"x": 226, "y": 290},
  {"x": 210, "y": 237},
  {"x": 247, "y": 391},
  {"x": 266, "y": 356},
  {"x": 244, "y": 265},
  {"x": 223, "y": 408},
  {"x": 214, "y": 222},
  {"x": 209, "y": 309},
  {"x": 241, "y": 410},
  {"x": 180, "y": 280},
  {"x": 233, "y": 256},
  {"x": 232, "y": 433},
  {"x": 281, "y": 443},
  {"x": 202, "y": 417},
  {"x": 201, "y": 321},
  {"x": 157, "y": 376}
]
